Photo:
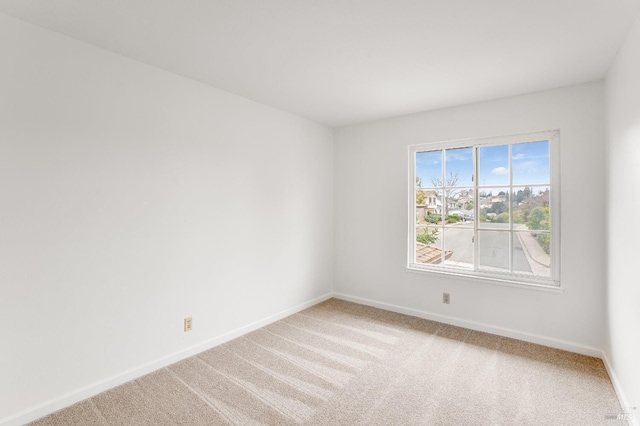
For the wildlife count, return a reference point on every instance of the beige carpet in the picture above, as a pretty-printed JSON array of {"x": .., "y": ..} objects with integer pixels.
[{"x": 340, "y": 363}]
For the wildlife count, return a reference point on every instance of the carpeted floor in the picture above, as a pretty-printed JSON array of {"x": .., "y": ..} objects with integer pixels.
[{"x": 340, "y": 363}]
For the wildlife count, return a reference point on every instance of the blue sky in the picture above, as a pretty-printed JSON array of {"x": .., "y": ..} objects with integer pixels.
[{"x": 530, "y": 162}]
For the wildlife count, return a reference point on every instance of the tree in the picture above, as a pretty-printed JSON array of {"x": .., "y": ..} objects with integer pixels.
[
  {"x": 420, "y": 195},
  {"x": 450, "y": 193},
  {"x": 433, "y": 218},
  {"x": 522, "y": 195},
  {"x": 428, "y": 237},
  {"x": 539, "y": 218},
  {"x": 517, "y": 217},
  {"x": 498, "y": 208},
  {"x": 503, "y": 217}
]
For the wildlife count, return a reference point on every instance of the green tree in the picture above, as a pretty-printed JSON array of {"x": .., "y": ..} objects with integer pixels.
[
  {"x": 502, "y": 217},
  {"x": 545, "y": 242},
  {"x": 453, "y": 218},
  {"x": 433, "y": 218},
  {"x": 538, "y": 218},
  {"x": 420, "y": 195},
  {"x": 498, "y": 208},
  {"x": 427, "y": 237},
  {"x": 518, "y": 217}
]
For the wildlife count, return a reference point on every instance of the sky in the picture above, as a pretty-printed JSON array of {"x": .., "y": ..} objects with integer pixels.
[{"x": 530, "y": 163}]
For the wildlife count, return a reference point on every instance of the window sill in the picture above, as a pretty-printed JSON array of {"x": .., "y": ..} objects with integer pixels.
[{"x": 506, "y": 281}]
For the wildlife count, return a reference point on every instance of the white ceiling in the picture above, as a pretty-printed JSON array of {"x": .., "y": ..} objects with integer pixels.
[{"x": 340, "y": 62}]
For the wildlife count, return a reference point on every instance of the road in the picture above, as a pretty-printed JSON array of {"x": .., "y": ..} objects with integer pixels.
[{"x": 493, "y": 247}]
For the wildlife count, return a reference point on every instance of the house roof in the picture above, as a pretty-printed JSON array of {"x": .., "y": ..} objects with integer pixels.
[{"x": 430, "y": 254}]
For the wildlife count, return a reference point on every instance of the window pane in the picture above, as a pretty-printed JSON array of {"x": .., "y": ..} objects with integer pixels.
[
  {"x": 493, "y": 250},
  {"x": 494, "y": 207},
  {"x": 459, "y": 167},
  {"x": 494, "y": 165},
  {"x": 465, "y": 204},
  {"x": 534, "y": 247},
  {"x": 459, "y": 205},
  {"x": 458, "y": 240},
  {"x": 428, "y": 169},
  {"x": 530, "y": 162},
  {"x": 428, "y": 245},
  {"x": 530, "y": 200},
  {"x": 428, "y": 206}
]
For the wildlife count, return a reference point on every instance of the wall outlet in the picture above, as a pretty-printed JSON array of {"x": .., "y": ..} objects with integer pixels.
[
  {"x": 446, "y": 299},
  {"x": 188, "y": 324}
]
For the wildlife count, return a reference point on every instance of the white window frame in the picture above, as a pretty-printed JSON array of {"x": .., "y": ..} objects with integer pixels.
[{"x": 551, "y": 283}]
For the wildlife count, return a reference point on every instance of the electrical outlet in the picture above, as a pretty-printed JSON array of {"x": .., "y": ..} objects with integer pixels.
[
  {"x": 188, "y": 324},
  {"x": 446, "y": 299}
]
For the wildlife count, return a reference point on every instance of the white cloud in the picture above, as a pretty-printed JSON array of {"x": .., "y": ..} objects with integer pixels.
[{"x": 500, "y": 171}]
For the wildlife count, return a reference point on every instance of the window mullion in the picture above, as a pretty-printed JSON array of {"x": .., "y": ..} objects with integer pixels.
[
  {"x": 444, "y": 208},
  {"x": 511, "y": 234},
  {"x": 476, "y": 209}
]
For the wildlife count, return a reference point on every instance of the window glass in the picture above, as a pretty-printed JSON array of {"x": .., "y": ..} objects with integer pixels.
[
  {"x": 499, "y": 225},
  {"x": 458, "y": 168},
  {"x": 530, "y": 163},
  {"x": 428, "y": 169},
  {"x": 494, "y": 165}
]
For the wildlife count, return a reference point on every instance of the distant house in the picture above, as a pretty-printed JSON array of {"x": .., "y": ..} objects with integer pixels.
[
  {"x": 432, "y": 204},
  {"x": 465, "y": 196}
]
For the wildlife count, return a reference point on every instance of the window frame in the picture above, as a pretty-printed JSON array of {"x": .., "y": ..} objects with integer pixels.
[{"x": 551, "y": 283}]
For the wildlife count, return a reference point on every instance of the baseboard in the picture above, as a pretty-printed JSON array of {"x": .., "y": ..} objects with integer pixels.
[
  {"x": 633, "y": 419},
  {"x": 78, "y": 395},
  {"x": 473, "y": 325}
]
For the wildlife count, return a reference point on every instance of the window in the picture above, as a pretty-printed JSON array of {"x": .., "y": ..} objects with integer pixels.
[{"x": 487, "y": 208}]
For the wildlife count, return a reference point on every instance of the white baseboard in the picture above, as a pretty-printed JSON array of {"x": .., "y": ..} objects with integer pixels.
[
  {"x": 634, "y": 419},
  {"x": 473, "y": 325},
  {"x": 501, "y": 331},
  {"x": 78, "y": 395}
]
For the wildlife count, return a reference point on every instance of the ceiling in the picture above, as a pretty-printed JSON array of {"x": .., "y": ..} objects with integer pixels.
[{"x": 340, "y": 62}]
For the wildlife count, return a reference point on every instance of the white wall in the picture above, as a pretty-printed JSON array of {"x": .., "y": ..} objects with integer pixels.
[
  {"x": 623, "y": 148},
  {"x": 371, "y": 169},
  {"x": 131, "y": 198}
]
